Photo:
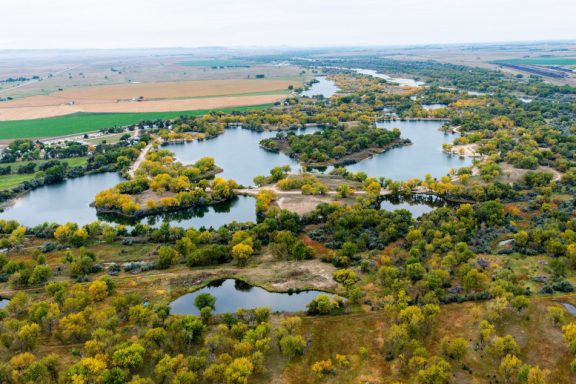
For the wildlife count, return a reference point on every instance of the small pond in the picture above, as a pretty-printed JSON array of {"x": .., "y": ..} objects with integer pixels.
[
  {"x": 431, "y": 107},
  {"x": 417, "y": 206},
  {"x": 232, "y": 294},
  {"x": 3, "y": 303},
  {"x": 570, "y": 308},
  {"x": 324, "y": 87}
]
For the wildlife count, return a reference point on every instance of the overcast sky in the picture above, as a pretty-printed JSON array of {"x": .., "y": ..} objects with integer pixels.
[{"x": 193, "y": 23}]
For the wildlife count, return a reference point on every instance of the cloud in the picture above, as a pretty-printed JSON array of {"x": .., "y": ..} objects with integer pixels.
[{"x": 170, "y": 23}]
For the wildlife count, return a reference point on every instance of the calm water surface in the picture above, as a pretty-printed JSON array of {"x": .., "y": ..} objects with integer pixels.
[
  {"x": 240, "y": 209},
  {"x": 238, "y": 152},
  {"x": 570, "y": 308},
  {"x": 324, "y": 87},
  {"x": 4, "y": 303},
  {"x": 425, "y": 155},
  {"x": 232, "y": 295},
  {"x": 399, "y": 80},
  {"x": 417, "y": 206},
  {"x": 64, "y": 202}
]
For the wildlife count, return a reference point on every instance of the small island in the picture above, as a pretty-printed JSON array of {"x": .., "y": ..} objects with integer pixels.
[
  {"x": 335, "y": 146},
  {"x": 162, "y": 185}
]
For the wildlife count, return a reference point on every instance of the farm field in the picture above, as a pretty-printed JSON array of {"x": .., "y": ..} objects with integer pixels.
[
  {"x": 88, "y": 122},
  {"x": 215, "y": 63},
  {"x": 154, "y": 97},
  {"x": 553, "y": 60}
]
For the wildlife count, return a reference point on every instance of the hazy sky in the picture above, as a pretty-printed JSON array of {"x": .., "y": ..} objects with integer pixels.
[{"x": 192, "y": 23}]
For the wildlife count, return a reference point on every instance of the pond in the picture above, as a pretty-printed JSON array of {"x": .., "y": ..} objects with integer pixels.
[
  {"x": 240, "y": 209},
  {"x": 3, "y": 303},
  {"x": 324, "y": 87},
  {"x": 232, "y": 294},
  {"x": 425, "y": 155},
  {"x": 417, "y": 205},
  {"x": 399, "y": 80},
  {"x": 238, "y": 152},
  {"x": 570, "y": 308},
  {"x": 64, "y": 202},
  {"x": 431, "y": 107}
]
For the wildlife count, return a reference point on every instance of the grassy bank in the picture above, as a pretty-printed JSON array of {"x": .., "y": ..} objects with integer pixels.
[
  {"x": 12, "y": 180},
  {"x": 88, "y": 122}
]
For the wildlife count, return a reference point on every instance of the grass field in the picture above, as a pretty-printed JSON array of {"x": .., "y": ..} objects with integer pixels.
[
  {"x": 555, "y": 60},
  {"x": 215, "y": 63},
  {"x": 89, "y": 122},
  {"x": 10, "y": 181},
  {"x": 72, "y": 162}
]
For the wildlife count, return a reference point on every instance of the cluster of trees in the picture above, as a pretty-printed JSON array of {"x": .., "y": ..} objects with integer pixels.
[
  {"x": 121, "y": 338},
  {"x": 308, "y": 184},
  {"x": 331, "y": 144},
  {"x": 163, "y": 185}
]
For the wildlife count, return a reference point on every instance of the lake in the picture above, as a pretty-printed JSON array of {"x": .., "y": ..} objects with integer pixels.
[
  {"x": 64, "y": 202},
  {"x": 399, "y": 80},
  {"x": 3, "y": 303},
  {"x": 425, "y": 155},
  {"x": 238, "y": 152},
  {"x": 232, "y": 294},
  {"x": 324, "y": 87}
]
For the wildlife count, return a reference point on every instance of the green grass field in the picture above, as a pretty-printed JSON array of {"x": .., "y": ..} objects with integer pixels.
[
  {"x": 555, "y": 60},
  {"x": 89, "y": 122},
  {"x": 72, "y": 162},
  {"x": 10, "y": 181},
  {"x": 215, "y": 63}
]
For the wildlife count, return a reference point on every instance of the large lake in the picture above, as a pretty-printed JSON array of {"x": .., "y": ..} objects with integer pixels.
[{"x": 232, "y": 295}]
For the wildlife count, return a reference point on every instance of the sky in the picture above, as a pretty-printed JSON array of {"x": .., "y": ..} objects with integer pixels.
[{"x": 47, "y": 24}]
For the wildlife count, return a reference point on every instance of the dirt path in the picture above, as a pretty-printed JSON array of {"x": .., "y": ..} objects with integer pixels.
[{"x": 139, "y": 160}]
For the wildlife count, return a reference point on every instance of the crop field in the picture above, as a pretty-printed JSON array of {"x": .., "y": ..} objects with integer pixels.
[
  {"x": 553, "y": 60},
  {"x": 153, "y": 97},
  {"x": 89, "y": 122},
  {"x": 216, "y": 63},
  {"x": 169, "y": 90}
]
